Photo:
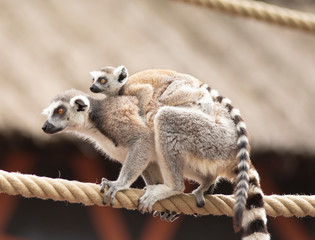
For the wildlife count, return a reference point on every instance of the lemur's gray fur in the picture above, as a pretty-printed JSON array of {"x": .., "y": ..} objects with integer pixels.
[
  {"x": 184, "y": 143},
  {"x": 112, "y": 124},
  {"x": 180, "y": 89}
]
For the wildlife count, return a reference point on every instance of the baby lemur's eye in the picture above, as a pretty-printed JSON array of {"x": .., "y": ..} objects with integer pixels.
[
  {"x": 103, "y": 81},
  {"x": 60, "y": 111}
]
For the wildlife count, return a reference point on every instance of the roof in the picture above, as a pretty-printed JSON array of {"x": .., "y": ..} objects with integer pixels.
[{"x": 267, "y": 71}]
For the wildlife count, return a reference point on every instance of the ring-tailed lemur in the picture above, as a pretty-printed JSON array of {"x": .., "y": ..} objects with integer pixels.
[
  {"x": 113, "y": 81},
  {"x": 250, "y": 215},
  {"x": 180, "y": 89},
  {"x": 111, "y": 124},
  {"x": 184, "y": 142}
]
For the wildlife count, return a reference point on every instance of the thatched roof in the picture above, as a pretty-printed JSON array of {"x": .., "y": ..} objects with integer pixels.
[{"x": 50, "y": 46}]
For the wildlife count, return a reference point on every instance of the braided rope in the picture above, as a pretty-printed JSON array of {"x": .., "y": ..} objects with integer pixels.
[
  {"x": 89, "y": 194},
  {"x": 262, "y": 11}
]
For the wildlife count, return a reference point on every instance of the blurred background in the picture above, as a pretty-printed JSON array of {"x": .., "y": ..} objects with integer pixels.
[{"x": 50, "y": 46}]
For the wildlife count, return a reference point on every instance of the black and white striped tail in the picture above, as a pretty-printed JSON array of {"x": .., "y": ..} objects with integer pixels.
[
  {"x": 249, "y": 212},
  {"x": 254, "y": 217}
]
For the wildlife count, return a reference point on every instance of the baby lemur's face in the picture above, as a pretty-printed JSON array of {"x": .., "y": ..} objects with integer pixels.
[{"x": 109, "y": 80}]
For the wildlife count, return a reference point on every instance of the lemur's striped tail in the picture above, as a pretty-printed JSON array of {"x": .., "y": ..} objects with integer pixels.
[
  {"x": 254, "y": 217},
  {"x": 249, "y": 212}
]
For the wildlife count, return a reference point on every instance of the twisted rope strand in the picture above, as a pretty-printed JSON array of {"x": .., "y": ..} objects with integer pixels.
[
  {"x": 89, "y": 194},
  {"x": 261, "y": 11}
]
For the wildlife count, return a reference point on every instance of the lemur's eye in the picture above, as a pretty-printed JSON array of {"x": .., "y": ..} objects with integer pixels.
[
  {"x": 60, "y": 111},
  {"x": 92, "y": 80},
  {"x": 103, "y": 81}
]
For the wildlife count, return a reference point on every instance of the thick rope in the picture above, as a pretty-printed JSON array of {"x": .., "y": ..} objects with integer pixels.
[
  {"x": 262, "y": 11},
  {"x": 89, "y": 194}
]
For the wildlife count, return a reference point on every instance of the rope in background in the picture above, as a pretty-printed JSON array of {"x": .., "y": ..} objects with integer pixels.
[
  {"x": 262, "y": 11},
  {"x": 89, "y": 194}
]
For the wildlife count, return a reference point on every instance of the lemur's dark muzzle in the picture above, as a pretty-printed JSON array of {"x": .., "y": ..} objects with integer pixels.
[
  {"x": 50, "y": 128},
  {"x": 95, "y": 89}
]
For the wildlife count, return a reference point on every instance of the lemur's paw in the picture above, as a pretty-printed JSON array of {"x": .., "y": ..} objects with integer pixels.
[
  {"x": 167, "y": 215},
  {"x": 199, "y": 194},
  {"x": 153, "y": 194},
  {"x": 200, "y": 199},
  {"x": 147, "y": 201},
  {"x": 113, "y": 188},
  {"x": 104, "y": 184}
]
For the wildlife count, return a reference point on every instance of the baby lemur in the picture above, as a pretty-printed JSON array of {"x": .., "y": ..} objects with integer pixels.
[
  {"x": 184, "y": 142},
  {"x": 179, "y": 89}
]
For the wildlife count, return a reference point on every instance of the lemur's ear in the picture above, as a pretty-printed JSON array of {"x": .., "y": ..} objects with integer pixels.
[
  {"x": 121, "y": 73},
  {"x": 80, "y": 103}
]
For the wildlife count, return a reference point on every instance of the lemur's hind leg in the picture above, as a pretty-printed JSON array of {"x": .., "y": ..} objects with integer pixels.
[
  {"x": 183, "y": 92},
  {"x": 152, "y": 176},
  {"x": 173, "y": 184},
  {"x": 171, "y": 161},
  {"x": 205, "y": 187}
]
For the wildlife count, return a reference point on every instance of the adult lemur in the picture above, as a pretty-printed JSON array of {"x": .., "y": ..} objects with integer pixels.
[{"x": 184, "y": 142}]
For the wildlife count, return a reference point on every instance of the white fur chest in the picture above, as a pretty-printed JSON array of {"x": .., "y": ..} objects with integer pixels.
[{"x": 104, "y": 144}]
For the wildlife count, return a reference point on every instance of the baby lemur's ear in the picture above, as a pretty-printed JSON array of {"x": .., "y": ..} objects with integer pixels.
[
  {"x": 80, "y": 103},
  {"x": 121, "y": 73}
]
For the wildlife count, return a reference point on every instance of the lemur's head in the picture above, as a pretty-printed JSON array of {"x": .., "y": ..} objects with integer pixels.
[
  {"x": 109, "y": 80},
  {"x": 67, "y": 111}
]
